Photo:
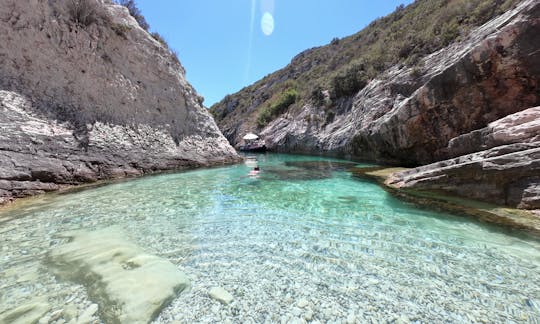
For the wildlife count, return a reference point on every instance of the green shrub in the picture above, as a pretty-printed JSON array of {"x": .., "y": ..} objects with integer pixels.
[
  {"x": 265, "y": 116},
  {"x": 270, "y": 112},
  {"x": 160, "y": 39},
  {"x": 121, "y": 30},
  {"x": 416, "y": 72},
  {"x": 349, "y": 82},
  {"x": 135, "y": 12},
  {"x": 450, "y": 33},
  {"x": 317, "y": 95},
  {"x": 83, "y": 12},
  {"x": 163, "y": 42}
]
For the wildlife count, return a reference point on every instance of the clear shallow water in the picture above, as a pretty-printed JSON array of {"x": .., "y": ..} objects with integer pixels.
[{"x": 302, "y": 242}]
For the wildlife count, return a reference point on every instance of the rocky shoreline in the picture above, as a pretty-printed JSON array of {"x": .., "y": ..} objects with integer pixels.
[
  {"x": 503, "y": 168},
  {"x": 525, "y": 220},
  {"x": 39, "y": 155}
]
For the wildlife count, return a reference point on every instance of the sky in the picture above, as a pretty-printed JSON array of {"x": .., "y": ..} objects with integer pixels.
[{"x": 225, "y": 45}]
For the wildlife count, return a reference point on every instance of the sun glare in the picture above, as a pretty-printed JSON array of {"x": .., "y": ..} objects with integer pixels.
[{"x": 267, "y": 24}]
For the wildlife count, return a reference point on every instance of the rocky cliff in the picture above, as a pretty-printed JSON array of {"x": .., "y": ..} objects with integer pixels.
[
  {"x": 86, "y": 94},
  {"x": 412, "y": 115},
  {"x": 407, "y": 114},
  {"x": 504, "y": 168}
]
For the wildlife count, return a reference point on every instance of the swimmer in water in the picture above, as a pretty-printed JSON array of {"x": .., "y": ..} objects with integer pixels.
[{"x": 255, "y": 171}]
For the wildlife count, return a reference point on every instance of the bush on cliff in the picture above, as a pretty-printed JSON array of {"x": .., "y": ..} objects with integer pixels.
[
  {"x": 135, "y": 12},
  {"x": 270, "y": 112},
  {"x": 83, "y": 12},
  {"x": 348, "y": 82}
]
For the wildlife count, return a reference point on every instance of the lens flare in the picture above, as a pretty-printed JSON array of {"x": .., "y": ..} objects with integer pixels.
[{"x": 267, "y": 24}]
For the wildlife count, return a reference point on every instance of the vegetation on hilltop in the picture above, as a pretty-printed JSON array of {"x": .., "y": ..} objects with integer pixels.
[
  {"x": 135, "y": 12},
  {"x": 87, "y": 12},
  {"x": 277, "y": 106},
  {"x": 83, "y": 12},
  {"x": 346, "y": 65}
]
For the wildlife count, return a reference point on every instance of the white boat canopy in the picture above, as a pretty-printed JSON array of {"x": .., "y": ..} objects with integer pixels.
[{"x": 250, "y": 136}]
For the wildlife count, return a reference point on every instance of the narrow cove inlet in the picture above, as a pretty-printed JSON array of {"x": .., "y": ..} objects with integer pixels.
[
  {"x": 156, "y": 169},
  {"x": 303, "y": 241}
]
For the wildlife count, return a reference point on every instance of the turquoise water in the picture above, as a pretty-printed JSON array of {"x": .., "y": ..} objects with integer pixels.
[{"x": 304, "y": 241}]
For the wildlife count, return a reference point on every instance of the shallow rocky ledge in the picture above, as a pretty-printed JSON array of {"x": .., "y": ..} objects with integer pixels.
[
  {"x": 30, "y": 312},
  {"x": 500, "y": 165},
  {"x": 504, "y": 168},
  {"x": 527, "y": 220},
  {"x": 128, "y": 284}
]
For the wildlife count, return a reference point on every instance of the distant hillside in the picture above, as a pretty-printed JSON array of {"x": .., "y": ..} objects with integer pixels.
[{"x": 330, "y": 75}]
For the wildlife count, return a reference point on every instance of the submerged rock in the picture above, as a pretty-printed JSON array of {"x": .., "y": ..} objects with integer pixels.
[
  {"x": 527, "y": 220},
  {"x": 306, "y": 170},
  {"x": 221, "y": 295},
  {"x": 296, "y": 174},
  {"x": 128, "y": 284},
  {"x": 321, "y": 165},
  {"x": 302, "y": 303},
  {"x": 27, "y": 313},
  {"x": 86, "y": 316}
]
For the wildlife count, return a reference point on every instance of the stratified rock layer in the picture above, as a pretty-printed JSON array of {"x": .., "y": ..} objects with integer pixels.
[
  {"x": 505, "y": 167},
  {"x": 87, "y": 101},
  {"x": 129, "y": 285},
  {"x": 522, "y": 127}
]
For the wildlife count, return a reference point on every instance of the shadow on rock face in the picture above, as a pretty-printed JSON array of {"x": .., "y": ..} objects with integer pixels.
[
  {"x": 292, "y": 174},
  {"x": 306, "y": 170},
  {"x": 321, "y": 165}
]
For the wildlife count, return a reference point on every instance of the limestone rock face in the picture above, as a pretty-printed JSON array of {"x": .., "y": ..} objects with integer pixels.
[
  {"x": 521, "y": 127},
  {"x": 99, "y": 99},
  {"x": 408, "y": 116},
  {"x": 504, "y": 169}
]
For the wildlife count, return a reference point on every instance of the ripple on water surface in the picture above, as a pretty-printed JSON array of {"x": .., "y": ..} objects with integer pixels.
[{"x": 303, "y": 240}]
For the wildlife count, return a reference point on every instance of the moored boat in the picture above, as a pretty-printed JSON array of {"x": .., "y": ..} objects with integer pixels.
[
  {"x": 253, "y": 147},
  {"x": 253, "y": 144}
]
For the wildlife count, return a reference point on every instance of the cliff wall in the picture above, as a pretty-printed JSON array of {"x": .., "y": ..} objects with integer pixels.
[
  {"x": 408, "y": 115},
  {"x": 87, "y": 94}
]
